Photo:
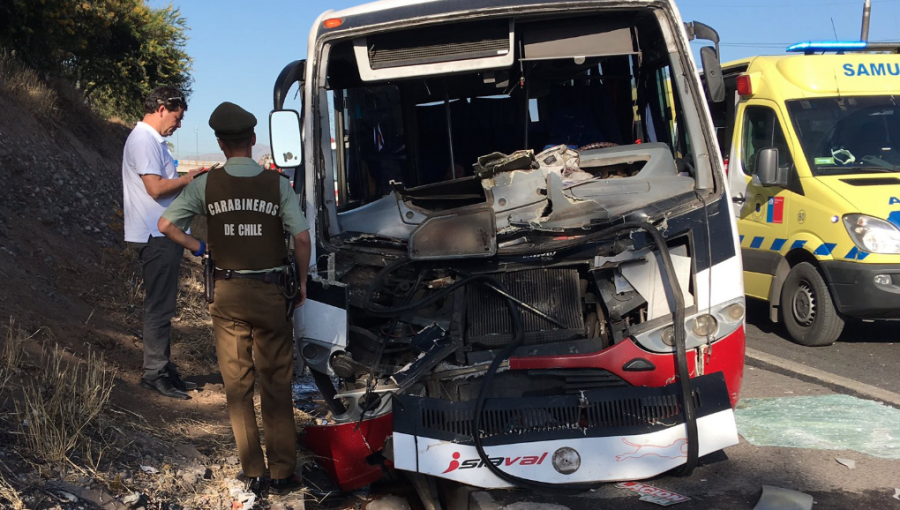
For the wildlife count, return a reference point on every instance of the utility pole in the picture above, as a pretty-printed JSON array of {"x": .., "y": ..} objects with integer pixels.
[
  {"x": 197, "y": 140},
  {"x": 867, "y": 15}
]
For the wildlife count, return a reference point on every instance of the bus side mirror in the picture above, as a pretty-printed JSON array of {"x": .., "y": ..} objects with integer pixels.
[
  {"x": 285, "y": 139},
  {"x": 767, "y": 170},
  {"x": 712, "y": 72}
]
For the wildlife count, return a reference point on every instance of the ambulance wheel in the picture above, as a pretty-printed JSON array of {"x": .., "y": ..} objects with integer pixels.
[{"x": 807, "y": 309}]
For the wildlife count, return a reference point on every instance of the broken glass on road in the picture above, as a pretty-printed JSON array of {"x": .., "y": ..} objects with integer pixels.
[{"x": 828, "y": 422}]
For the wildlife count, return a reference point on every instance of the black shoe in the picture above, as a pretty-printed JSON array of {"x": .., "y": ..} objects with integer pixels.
[
  {"x": 180, "y": 384},
  {"x": 163, "y": 386},
  {"x": 284, "y": 485},
  {"x": 255, "y": 485}
]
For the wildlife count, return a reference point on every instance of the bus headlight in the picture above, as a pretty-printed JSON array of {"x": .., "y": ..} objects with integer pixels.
[
  {"x": 872, "y": 234},
  {"x": 704, "y": 325},
  {"x": 735, "y": 312}
]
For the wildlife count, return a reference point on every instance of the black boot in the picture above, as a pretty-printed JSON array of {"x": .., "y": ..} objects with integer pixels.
[
  {"x": 164, "y": 386},
  {"x": 255, "y": 485},
  {"x": 284, "y": 485}
]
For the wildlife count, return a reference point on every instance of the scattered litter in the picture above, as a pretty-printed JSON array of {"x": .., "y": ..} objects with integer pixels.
[
  {"x": 896, "y": 494},
  {"x": 776, "y": 498},
  {"x": 653, "y": 494},
  {"x": 67, "y": 496},
  {"x": 149, "y": 469},
  {"x": 134, "y": 497},
  {"x": 240, "y": 499},
  {"x": 827, "y": 422},
  {"x": 850, "y": 463}
]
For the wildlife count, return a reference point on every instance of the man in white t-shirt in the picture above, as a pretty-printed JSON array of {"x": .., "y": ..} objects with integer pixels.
[{"x": 150, "y": 183}]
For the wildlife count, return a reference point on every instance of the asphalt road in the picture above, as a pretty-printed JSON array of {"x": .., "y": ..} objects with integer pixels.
[{"x": 865, "y": 352}]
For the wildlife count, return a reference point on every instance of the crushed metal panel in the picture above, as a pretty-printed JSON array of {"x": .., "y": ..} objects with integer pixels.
[
  {"x": 569, "y": 211},
  {"x": 645, "y": 277},
  {"x": 382, "y": 217},
  {"x": 469, "y": 234},
  {"x": 518, "y": 197},
  {"x": 320, "y": 325}
]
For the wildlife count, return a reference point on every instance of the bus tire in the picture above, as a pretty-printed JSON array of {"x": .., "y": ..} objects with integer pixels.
[{"x": 807, "y": 308}]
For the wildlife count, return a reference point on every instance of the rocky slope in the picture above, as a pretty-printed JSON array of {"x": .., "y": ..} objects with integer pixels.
[{"x": 72, "y": 288}]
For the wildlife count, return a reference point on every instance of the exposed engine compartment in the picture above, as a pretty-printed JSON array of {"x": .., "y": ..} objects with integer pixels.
[{"x": 430, "y": 328}]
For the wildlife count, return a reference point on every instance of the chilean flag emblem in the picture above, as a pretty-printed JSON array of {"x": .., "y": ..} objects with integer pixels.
[{"x": 775, "y": 210}]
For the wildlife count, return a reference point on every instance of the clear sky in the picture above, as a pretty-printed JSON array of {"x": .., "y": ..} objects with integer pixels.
[{"x": 239, "y": 47}]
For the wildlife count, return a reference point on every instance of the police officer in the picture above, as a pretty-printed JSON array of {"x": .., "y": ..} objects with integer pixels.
[{"x": 248, "y": 211}]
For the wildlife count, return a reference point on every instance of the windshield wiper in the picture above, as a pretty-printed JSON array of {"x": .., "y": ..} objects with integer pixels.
[{"x": 875, "y": 168}]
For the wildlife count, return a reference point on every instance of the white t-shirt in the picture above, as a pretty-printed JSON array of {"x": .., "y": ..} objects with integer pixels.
[{"x": 146, "y": 153}]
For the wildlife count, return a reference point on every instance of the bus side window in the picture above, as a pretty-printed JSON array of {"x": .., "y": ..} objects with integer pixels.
[{"x": 762, "y": 130}]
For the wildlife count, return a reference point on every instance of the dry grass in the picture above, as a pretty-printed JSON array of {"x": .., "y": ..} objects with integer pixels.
[
  {"x": 26, "y": 85},
  {"x": 192, "y": 305},
  {"x": 193, "y": 312},
  {"x": 10, "y": 496},
  {"x": 12, "y": 355},
  {"x": 59, "y": 409}
]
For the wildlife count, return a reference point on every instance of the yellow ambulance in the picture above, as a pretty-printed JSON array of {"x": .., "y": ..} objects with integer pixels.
[{"x": 812, "y": 145}]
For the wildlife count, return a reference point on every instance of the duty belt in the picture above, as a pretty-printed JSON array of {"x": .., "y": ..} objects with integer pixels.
[{"x": 276, "y": 277}]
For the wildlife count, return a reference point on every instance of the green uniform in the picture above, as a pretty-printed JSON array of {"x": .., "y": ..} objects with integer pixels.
[
  {"x": 253, "y": 335},
  {"x": 192, "y": 201}
]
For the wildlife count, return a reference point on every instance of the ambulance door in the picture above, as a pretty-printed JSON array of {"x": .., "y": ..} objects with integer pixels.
[{"x": 763, "y": 210}]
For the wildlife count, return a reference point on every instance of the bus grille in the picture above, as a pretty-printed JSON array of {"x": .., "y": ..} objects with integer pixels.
[
  {"x": 554, "y": 292},
  {"x": 614, "y": 411}
]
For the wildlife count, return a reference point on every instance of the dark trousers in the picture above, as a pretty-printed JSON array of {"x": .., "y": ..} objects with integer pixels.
[
  {"x": 254, "y": 340},
  {"x": 160, "y": 263}
]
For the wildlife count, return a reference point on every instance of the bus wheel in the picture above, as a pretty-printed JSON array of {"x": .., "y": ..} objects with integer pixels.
[{"x": 807, "y": 309}]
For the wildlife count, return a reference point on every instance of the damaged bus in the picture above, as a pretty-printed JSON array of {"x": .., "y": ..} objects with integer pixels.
[{"x": 526, "y": 272}]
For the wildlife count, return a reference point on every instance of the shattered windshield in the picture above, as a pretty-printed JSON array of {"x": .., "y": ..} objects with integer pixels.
[
  {"x": 848, "y": 135},
  {"x": 557, "y": 140}
]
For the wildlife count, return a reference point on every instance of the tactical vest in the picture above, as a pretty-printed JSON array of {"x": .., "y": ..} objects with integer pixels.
[{"x": 245, "y": 228}]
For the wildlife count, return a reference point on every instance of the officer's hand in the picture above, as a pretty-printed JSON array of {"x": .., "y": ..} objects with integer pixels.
[{"x": 301, "y": 296}]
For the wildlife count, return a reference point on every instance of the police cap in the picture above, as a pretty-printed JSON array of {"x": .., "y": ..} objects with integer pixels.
[{"x": 231, "y": 122}]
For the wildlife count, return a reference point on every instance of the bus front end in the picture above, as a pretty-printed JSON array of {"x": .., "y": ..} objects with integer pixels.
[{"x": 526, "y": 273}]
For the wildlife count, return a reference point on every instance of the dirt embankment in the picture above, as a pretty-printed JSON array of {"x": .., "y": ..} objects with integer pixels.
[{"x": 73, "y": 289}]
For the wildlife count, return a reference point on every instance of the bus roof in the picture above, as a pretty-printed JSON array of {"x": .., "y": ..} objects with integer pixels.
[{"x": 386, "y": 11}]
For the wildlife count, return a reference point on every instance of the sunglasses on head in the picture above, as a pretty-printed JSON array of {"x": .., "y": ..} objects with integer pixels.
[{"x": 178, "y": 99}]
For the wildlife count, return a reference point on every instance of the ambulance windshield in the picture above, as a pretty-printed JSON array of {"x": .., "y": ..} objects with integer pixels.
[{"x": 848, "y": 135}]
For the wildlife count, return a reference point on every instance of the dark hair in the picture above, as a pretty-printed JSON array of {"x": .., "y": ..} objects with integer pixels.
[
  {"x": 170, "y": 97},
  {"x": 238, "y": 145}
]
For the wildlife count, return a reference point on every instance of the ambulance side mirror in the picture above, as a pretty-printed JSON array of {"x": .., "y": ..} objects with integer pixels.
[
  {"x": 712, "y": 73},
  {"x": 767, "y": 169}
]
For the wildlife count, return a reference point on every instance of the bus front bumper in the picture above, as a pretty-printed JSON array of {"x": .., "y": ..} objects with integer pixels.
[{"x": 596, "y": 436}]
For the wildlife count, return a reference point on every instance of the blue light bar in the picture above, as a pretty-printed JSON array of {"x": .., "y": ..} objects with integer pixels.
[{"x": 811, "y": 46}]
